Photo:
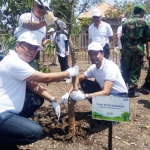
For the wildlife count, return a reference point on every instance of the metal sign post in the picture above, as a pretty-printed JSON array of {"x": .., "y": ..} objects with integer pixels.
[{"x": 110, "y": 135}]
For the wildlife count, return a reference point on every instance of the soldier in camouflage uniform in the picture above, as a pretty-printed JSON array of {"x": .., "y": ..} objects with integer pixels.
[{"x": 135, "y": 33}]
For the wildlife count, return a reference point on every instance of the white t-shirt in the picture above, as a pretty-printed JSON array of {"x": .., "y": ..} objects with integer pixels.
[
  {"x": 61, "y": 44},
  {"x": 108, "y": 71},
  {"x": 100, "y": 34},
  {"x": 13, "y": 72},
  {"x": 40, "y": 33},
  {"x": 119, "y": 33}
]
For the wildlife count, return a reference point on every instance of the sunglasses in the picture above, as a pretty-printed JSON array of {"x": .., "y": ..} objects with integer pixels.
[
  {"x": 29, "y": 47},
  {"x": 95, "y": 17},
  {"x": 41, "y": 7}
]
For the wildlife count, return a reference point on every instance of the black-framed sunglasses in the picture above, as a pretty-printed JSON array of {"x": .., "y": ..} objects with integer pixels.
[
  {"x": 96, "y": 17},
  {"x": 28, "y": 46},
  {"x": 41, "y": 7}
]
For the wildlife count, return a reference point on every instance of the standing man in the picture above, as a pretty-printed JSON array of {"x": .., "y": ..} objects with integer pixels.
[
  {"x": 33, "y": 21},
  {"x": 135, "y": 33},
  {"x": 100, "y": 32},
  {"x": 119, "y": 34},
  {"x": 62, "y": 50},
  {"x": 106, "y": 73},
  {"x": 1, "y": 52},
  {"x": 15, "y": 74},
  {"x": 52, "y": 33}
]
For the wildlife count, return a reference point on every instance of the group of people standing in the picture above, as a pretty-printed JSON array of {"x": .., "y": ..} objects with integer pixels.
[{"x": 20, "y": 91}]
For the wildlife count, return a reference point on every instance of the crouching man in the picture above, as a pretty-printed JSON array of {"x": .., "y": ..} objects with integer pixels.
[
  {"x": 15, "y": 105},
  {"x": 108, "y": 79}
]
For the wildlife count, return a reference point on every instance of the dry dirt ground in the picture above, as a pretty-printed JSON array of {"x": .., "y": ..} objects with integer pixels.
[{"x": 91, "y": 134}]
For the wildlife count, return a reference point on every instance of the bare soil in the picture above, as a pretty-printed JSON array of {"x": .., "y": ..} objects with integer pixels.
[{"x": 91, "y": 134}]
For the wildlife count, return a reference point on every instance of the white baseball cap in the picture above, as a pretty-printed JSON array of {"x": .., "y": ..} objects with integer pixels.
[
  {"x": 96, "y": 12},
  {"x": 45, "y": 3},
  {"x": 51, "y": 30},
  {"x": 94, "y": 46},
  {"x": 123, "y": 20},
  {"x": 29, "y": 37}
]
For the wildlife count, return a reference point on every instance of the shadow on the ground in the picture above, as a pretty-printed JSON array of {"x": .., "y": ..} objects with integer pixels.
[{"x": 145, "y": 102}]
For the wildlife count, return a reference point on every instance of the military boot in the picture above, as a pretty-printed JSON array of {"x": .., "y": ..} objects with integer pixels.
[
  {"x": 145, "y": 88},
  {"x": 133, "y": 93}
]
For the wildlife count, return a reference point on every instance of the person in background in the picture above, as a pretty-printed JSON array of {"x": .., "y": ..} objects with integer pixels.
[
  {"x": 119, "y": 33},
  {"x": 33, "y": 22},
  {"x": 52, "y": 33},
  {"x": 100, "y": 32},
  {"x": 15, "y": 74},
  {"x": 107, "y": 81},
  {"x": 1, "y": 52},
  {"x": 135, "y": 33}
]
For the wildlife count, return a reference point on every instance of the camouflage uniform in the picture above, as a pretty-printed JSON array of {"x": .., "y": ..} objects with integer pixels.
[{"x": 135, "y": 33}]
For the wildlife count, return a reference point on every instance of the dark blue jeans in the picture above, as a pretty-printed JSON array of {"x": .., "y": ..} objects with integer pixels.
[{"x": 17, "y": 129}]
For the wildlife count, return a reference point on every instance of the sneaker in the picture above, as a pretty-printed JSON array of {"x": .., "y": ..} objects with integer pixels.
[
  {"x": 145, "y": 89},
  {"x": 133, "y": 93},
  {"x": 53, "y": 64}
]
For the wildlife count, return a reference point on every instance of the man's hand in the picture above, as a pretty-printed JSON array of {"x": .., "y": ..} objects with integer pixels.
[
  {"x": 77, "y": 95},
  {"x": 49, "y": 18},
  {"x": 56, "y": 107},
  {"x": 73, "y": 71},
  {"x": 64, "y": 98}
]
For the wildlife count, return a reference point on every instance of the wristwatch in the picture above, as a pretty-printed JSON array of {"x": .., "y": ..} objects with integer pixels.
[{"x": 86, "y": 96}]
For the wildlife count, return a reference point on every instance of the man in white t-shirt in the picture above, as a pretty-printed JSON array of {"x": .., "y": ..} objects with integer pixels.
[
  {"x": 62, "y": 50},
  {"x": 100, "y": 32},
  {"x": 52, "y": 33},
  {"x": 119, "y": 33},
  {"x": 15, "y": 75},
  {"x": 108, "y": 79},
  {"x": 33, "y": 21}
]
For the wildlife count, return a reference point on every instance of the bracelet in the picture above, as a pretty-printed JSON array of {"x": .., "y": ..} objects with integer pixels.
[{"x": 52, "y": 99}]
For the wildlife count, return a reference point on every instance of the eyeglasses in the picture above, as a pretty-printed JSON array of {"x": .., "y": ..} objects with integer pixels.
[
  {"x": 29, "y": 47},
  {"x": 96, "y": 17},
  {"x": 41, "y": 7}
]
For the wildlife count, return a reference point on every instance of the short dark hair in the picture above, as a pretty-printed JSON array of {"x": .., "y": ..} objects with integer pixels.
[{"x": 137, "y": 11}]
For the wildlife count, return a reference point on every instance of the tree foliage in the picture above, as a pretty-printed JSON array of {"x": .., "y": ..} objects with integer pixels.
[
  {"x": 125, "y": 8},
  {"x": 10, "y": 12}
]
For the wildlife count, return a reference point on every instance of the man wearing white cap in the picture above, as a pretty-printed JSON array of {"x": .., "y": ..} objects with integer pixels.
[
  {"x": 100, "y": 32},
  {"x": 15, "y": 74},
  {"x": 33, "y": 21},
  {"x": 52, "y": 33},
  {"x": 107, "y": 81}
]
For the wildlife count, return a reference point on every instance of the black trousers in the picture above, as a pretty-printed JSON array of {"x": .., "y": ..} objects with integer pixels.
[
  {"x": 63, "y": 62},
  {"x": 89, "y": 86},
  {"x": 106, "y": 50}
]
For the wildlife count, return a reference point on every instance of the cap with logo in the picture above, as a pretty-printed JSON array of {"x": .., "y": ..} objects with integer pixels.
[
  {"x": 123, "y": 20},
  {"x": 44, "y": 2},
  {"x": 95, "y": 46},
  {"x": 96, "y": 12},
  {"x": 140, "y": 6},
  {"x": 51, "y": 30},
  {"x": 30, "y": 38}
]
